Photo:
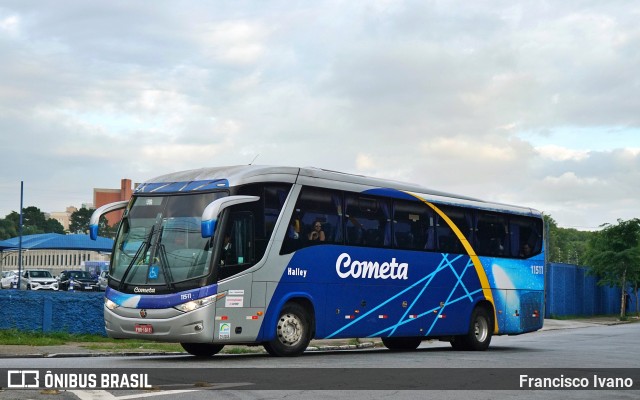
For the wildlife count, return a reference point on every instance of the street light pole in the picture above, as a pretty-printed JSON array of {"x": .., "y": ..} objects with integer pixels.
[{"x": 20, "y": 239}]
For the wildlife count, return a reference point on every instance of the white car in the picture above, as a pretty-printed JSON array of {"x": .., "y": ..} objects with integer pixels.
[
  {"x": 9, "y": 279},
  {"x": 37, "y": 279},
  {"x": 103, "y": 280}
]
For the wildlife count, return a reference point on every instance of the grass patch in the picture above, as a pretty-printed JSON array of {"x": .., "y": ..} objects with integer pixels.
[
  {"x": 242, "y": 350},
  {"x": 92, "y": 342},
  {"x": 16, "y": 337}
]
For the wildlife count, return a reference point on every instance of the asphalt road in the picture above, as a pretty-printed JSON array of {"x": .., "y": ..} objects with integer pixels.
[{"x": 554, "y": 352}]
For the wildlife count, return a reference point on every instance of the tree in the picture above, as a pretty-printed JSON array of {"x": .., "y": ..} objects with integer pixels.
[
  {"x": 7, "y": 229},
  {"x": 53, "y": 226},
  {"x": 614, "y": 256},
  {"x": 566, "y": 245},
  {"x": 79, "y": 223},
  {"x": 33, "y": 222}
]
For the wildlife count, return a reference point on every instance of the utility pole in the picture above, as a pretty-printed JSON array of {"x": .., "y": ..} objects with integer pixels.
[{"x": 20, "y": 238}]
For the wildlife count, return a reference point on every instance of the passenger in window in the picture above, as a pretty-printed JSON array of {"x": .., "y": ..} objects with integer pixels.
[
  {"x": 317, "y": 234},
  {"x": 526, "y": 251},
  {"x": 294, "y": 229},
  {"x": 227, "y": 251}
]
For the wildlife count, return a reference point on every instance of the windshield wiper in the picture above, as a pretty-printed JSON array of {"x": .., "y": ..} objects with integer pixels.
[
  {"x": 162, "y": 258},
  {"x": 142, "y": 249},
  {"x": 164, "y": 264}
]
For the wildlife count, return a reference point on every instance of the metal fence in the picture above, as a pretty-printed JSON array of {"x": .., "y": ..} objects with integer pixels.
[{"x": 570, "y": 291}]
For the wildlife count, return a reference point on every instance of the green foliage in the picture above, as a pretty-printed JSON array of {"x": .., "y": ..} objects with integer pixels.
[
  {"x": 79, "y": 221},
  {"x": 7, "y": 229},
  {"x": 33, "y": 222},
  {"x": 566, "y": 245},
  {"x": 614, "y": 252},
  {"x": 53, "y": 226},
  {"x": 16, "y": 337},
  {"x": 95, "y": 342},
  {"x": 614, "y": 256}
]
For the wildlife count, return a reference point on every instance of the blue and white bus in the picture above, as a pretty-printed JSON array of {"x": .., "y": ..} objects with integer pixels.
[{"x": 280, "y": 255}]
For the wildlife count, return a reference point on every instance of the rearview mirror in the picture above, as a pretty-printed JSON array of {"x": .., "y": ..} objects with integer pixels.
[
  {"x": 211, "y": 212},
  {"x": 95, "y": 217}
]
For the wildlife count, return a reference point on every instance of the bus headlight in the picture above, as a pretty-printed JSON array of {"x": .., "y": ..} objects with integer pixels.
[
  {"x": 195, "y": 304},
  {"x": 110, "y": 304}
]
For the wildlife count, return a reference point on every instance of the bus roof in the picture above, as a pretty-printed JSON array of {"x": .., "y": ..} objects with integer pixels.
[{"x": 230, "y": 176}]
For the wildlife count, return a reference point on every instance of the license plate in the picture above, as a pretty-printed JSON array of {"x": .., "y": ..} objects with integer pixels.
[
  {"x": 144, "y": 328},
  {"x": 88, "y": 288}
]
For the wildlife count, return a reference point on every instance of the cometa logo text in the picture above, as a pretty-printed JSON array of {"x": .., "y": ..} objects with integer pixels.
[{"x": 346, "y": 268}]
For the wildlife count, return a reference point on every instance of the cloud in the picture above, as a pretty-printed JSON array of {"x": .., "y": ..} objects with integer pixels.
[
  {"x": 558, "y": 153},
  {"x": 528, "y": 103}
]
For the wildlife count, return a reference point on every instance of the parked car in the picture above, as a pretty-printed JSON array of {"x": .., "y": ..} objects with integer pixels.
[
  {"x": 38, "y": 279},
  {"x": 9, "y": 279},
  {"x": 103, "y": 280},
  {"x": 78, "y": 280}
]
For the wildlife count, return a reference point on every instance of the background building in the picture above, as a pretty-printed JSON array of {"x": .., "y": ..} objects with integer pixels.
[
  {"x": 64, "y": 217},
  {"x": 53, "y": 260},
  {"x": 106, "y": 196},
  {"x": 53, "y": 251}
]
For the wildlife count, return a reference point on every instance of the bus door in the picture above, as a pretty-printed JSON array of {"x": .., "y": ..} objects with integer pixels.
[{"x": 234, "y": 315}]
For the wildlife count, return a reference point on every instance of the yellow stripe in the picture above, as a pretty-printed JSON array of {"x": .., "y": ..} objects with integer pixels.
[{"x": 482, "y": 275}]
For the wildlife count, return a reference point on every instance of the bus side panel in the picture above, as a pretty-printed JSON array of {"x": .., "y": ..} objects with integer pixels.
[
  {"x": 373, "y": 292},
  {"x": 525, "y": 314},
  {"x": 518, "y": 290},
  {"x": 380, "y": 311}
]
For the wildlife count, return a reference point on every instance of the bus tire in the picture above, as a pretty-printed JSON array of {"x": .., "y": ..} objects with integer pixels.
[
  {"x": 293, "y": 332},
  {"x": 480, "y": 332},
  {"x": 401, "y": 343},
  {"x": 202, "y": 349}
]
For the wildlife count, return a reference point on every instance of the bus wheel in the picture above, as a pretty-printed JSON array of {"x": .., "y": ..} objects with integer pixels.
[
  {"x": 293, "y": 332},
  {"x": 480, "y": 331},
  {"x": 202, "y": 349},
  {"x": 401, "y": 343}
]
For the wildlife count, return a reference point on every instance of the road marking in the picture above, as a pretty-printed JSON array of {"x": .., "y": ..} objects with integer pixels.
[{"x": 104, "y": 395}]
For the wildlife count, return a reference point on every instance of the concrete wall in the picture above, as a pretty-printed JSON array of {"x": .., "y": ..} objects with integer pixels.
[{"x": 46, "y": 311}]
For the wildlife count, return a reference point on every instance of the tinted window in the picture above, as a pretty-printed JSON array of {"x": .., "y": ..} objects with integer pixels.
[
  {"x": 447, "y": 241},
  {"x": 315, "y": 207},
  {"x": 413, "y": 226},
  {"x": 492, "y": 237},
  {"x": 367, "y": 221},
  {"x": 526, "y": 236}
]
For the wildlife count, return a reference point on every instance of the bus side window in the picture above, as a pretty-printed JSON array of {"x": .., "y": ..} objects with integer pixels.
[
  {"x": 368, "y": 221},
  {"x": 448, "y": 241},
  {"x": 491, "y": 235},
  {"x": 237, "y": 252},
  {"x": 526, "y": 236},
  {"x": 314, "y": 206},
  {"x": 413, "y": 225}
]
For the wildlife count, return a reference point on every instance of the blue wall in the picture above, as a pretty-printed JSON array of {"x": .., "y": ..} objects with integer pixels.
[
  {"x": 73, "y": 312},
  {"x": 570, "y": 292}
]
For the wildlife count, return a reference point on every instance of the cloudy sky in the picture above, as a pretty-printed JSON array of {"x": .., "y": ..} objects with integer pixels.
[{"x": 533, "y": 103}]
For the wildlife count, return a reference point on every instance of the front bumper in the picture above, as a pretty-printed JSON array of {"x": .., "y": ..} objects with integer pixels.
[
  {"x": 43, "y": 286},
  {"x": 168, "y": 324}
]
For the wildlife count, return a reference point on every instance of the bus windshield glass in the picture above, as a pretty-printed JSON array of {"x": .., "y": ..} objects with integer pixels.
[{"x": 160, "y": 241}]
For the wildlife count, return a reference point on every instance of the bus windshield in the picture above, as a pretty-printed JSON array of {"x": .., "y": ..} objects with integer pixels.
[{"x": 160, "y": 242}]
